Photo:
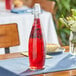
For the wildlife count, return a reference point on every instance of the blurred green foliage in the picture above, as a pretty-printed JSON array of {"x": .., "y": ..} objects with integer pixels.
[{"x": 63, "y": 7}]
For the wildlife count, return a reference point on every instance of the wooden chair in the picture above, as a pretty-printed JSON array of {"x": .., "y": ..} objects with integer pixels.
[
  {"x": 45, "y": 4},
  {"x": 8, "y": 36}
]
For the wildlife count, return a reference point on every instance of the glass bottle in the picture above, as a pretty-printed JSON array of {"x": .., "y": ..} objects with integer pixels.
[
  {"x": 8, "y": 4},
  {"x": 36, "y": 44},
  {"x": 72, "y": 42}
]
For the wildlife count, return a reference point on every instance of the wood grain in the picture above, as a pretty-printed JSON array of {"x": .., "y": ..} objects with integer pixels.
[
  {"x": 10, "y": 56},
  {"x": 9, "y": 35}
]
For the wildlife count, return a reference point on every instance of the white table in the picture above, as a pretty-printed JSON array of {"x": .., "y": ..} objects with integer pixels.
[{"x": 25, "y": 22}]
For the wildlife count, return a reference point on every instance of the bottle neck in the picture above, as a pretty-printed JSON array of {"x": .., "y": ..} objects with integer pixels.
[
  {"x": 36, "y": 15},
  {"x": 36, "y": 19}
]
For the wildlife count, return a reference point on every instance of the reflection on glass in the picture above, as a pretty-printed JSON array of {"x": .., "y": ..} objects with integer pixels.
[{"x": 36, "y": 45}]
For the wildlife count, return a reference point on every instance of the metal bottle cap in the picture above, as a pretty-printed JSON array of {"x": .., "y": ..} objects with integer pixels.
[{"x": 37, "y": 8}]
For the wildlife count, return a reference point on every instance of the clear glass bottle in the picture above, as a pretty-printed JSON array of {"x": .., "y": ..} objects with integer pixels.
[
  {"x": 36, "y": 44},
  {"x": 72, "y": 42}
]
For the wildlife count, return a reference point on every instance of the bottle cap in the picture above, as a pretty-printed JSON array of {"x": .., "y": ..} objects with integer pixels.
[{"x": 37, "y": 8}]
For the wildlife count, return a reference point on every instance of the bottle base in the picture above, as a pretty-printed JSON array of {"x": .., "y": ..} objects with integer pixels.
[{"x": 36, "y": 68}]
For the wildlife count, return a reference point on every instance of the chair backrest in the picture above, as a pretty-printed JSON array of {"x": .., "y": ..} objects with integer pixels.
[
  {"x": 9, "y": 35},
  {"x": 46, "y": 5}
]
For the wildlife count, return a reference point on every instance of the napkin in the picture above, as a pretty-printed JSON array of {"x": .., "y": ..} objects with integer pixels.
[
  {"x": 59, "y": 62},
  {"x": 21, "y": 10},
  {"x": 54, "y": 48},
  {"x": 26, "y": 54}
]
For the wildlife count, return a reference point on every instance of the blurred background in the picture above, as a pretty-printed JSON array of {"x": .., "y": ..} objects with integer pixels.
[{"x": 57, "y": 8}]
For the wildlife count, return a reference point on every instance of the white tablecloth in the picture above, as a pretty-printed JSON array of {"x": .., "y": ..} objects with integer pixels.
[{"x": 25, "y": 22}]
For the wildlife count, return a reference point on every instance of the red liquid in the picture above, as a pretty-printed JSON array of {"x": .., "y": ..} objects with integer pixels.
[
  {"x": 8, "y": 4},
  {"x": 36, "y": 47}
]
